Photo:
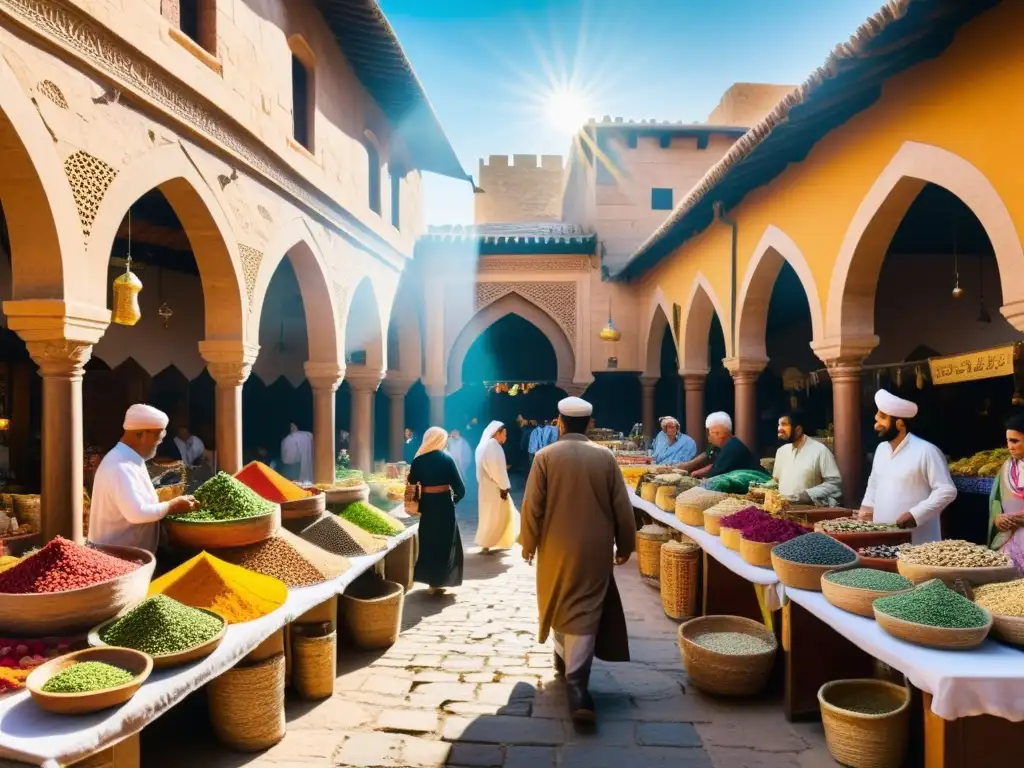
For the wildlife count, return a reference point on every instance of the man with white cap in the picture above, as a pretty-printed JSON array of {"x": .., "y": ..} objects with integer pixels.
[
  {"x": 910, "y": 483},
  {"x": 125, "y": 509},
  {"x": 725, "y": 453},
  {"x": 578, "y": 520}
]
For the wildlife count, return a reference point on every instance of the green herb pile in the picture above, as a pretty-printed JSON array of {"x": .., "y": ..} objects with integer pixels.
[
  {"x": 869, "y": 578},
  {"x": 88, "y": 676},
  {"x": 224, "y": 498},
  {"x": 371, "y": 519},
  {"x": 933, "y": 604},
  {"x": 162, "y": 625},
  {"x": 814, "y": 549}
]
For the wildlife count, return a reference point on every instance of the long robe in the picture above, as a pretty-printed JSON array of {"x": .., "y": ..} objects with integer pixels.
[
  {"x": 125, "y": 509},
  {"x": 297, "y": 456},
  {"x": 577, "y": 516},
  {"x": 460, "y": 451},
  {"x": 496, "y": 528},
  {"x": 440, "y": 560}
]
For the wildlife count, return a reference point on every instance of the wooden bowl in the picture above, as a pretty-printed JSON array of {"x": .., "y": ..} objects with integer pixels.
[
  {"x": 302, "y": 509},
  {"x": 347, "y": 495},
  {"x": 805, "y": 575},
  {"x": 756, "y": 552},
  {"x": 1008, "y": 629},
  {"x": 56, "y": 613},
  {"x": 878, "y": 563},
  {"x": 853, "y": 599},
  {"x": 726, "y": 674},
  {"x": 139, "y": 664},
  {"x": 872, "y": 538},
  {"x": 934, "y": 637},
  {"x": 167, "y": 660},
  {"x": 731, "y": 537},
  {"x": 922, "y": 573},
  {"x": 812, "y": 515},
  {"x": 221, "y": 535}
]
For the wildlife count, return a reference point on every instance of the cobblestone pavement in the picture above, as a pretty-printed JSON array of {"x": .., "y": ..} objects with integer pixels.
[{"x": 467, "y": 685}]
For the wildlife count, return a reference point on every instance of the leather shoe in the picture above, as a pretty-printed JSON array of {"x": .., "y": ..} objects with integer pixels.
[
  {"x": 559, "y": 665},
  {"x": 581, "y": 705}
]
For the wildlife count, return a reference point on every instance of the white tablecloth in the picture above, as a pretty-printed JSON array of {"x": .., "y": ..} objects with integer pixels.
[
  {"x": 988, "y": 680},
  {"x": 29, "y": 735}
]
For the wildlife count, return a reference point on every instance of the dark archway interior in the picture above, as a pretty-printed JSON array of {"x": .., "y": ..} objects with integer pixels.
[{"x": 512, "y": 349}]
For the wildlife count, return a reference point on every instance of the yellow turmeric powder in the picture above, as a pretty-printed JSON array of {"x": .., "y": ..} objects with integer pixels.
[
  {"x": 8, "y": 561},
  {"x": 237, "y": 594}
]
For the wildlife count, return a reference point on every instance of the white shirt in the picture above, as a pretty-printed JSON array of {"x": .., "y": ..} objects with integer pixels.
[
  {"x": 191, "y": 450},
  {"x": 914, "y": 478},
  {"x": 460, "y": 451},
  {"x": 297, "y": 448},
  {"x": 125, "y": 509},
  {"x": 811, "y": 468}
]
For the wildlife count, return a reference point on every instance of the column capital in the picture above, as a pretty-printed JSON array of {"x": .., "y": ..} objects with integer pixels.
[
  {"x": 229, "y": 362},
  {"x": 844, "y": 351},
  {"x": 694, "y": 381},
  {"x": 745, "y": 369},
  {"x": 363, "y": 379},
  {"x": 574, "y": 388},
  {"x": 59, "y": 335},
  {"x": 60, "y": 358},
  {"x": 324, "y": 376},
  {"x": 649, "y": 382},
  {"x": 396, "y": 385}
]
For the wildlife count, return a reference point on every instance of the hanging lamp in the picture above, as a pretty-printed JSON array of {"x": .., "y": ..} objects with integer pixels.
[
  {"x": 957, "y": 290},
  {"x": 126, "y": 289}
]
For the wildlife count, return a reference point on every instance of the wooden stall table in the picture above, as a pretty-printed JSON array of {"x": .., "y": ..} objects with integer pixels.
[{"x": 972, "y": 702}]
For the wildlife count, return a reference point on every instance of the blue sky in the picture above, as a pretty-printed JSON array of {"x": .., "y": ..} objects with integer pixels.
[{"x": 489, "y": 66}]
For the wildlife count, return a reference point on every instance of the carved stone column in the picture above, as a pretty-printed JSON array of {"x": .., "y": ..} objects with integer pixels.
[
  {"x": 396, "y": 388},
  {"x": 61, "y": 345},
  {"x": 693, "y": 386},
  {"x": 229, "y": 363},
  {"x": 745, "y": 373},
  {"x": 647, "y": 385},
  {"x": 364, "y": 384},
  {"x": 324, "y": 379}
]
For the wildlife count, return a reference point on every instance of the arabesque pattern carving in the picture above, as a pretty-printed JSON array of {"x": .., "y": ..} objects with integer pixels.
[
  {"x": 251, "y": 260},
  {"x": 557, "y": 299},
  {"x": 90, "y": 178},
  {"x": 265, "y": 214},
  {"x": 50, "y": 90},
  {"x": 532, "y": 264}
]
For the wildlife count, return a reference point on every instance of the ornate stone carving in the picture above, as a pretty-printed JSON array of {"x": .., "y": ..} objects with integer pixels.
[
  {"x": 60, "y": 359},
  {"x": 265, "y": 214},
  {"x": 90, "y": 178},
  {"x": 324, "y": 376},
  {"x": 50, "y": 90},
  {"x": 557, "y": 299},
  {"x": 251, "y": 260},
  {"x": 533, "y": 264},
  {"x": 229, "y": 362}
]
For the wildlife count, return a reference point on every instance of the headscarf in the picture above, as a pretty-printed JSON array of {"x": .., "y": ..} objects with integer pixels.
[
  {"x": 434, "y": 439},
  {"x": 492, "y": 429}
]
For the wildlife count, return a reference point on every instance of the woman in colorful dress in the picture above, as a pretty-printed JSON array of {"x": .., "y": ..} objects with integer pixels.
[{"x": 1006, "y": 503}]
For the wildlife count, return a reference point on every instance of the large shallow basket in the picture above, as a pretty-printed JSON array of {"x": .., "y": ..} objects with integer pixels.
[
  {"x": 975, "y": 576},
  {"x": 169, "y": 660},
  {"x": 304, "y": 508},
  {"x": 247, "y": 705},
  {"x": 138, "y": 664},
  {"x": 726, "y": 674},
  {"x": 756, "y": 552},
  {"x": 731, "y": 538},
  {"x": 221, "y": 535},
  {"x": 934, "y": 637},
  {"x": 853, "y": 599},
  {"x": 680, "y": 562},
  {"x": 811, "y": 515},
  {"x": 348, "y": 494},
  {"x": 804, "y": 575},
  {"x": 371, "y": 612},
  {"x": 1009, "y": 629},
  {"x": 648, "y": 549},
  {"x": 879, "y": 563},
  {"x": 56, "y": 613},
  {"x": 858, "y": 738},
  {"x": 872, "y": 538}
]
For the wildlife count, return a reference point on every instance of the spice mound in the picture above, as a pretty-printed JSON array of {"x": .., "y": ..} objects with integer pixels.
[
  {"x": 8, "y": 561},
  {"x": 340, "y": 537},
  {"x": 88, "y": 676},
  {"x": 288, "y": 558},
  {"x": 371, "y": 519},
  {"x": 933, "y": 604},
  {"x": 269, "y": 484},
  {"x": 18, "y": 657},
  {"x": 223, "y": 498},
  {"x": 1005, "y": 599},
  {"x": 849, "y": 525},
  {"x": 160, "y": 625},
  {"x": 815, "y": 549},
  {"x": 882, "y": 551},
  {"x": 869, "y": 578},
  {"x": 773, "y": 530},
  {"x": 744, "y": 518},
  {"x": 60, "y": 566},
  {"x": 954, "y": 553},
  {"x": 733, "y": 643},
  {"x": 229, "y": 590}
]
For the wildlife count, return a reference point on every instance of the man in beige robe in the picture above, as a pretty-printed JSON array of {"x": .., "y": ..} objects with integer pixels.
[{"x": 578, "y": 520}]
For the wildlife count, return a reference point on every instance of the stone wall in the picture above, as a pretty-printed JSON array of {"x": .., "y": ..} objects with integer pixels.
[
  {"x": 520, "y": 190},
  {"x": 744, "y": 104}
]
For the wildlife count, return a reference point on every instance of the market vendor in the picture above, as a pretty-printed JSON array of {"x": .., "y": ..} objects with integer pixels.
[
  {"x": 805, "y": 469},
  {"x": 1006, "y": 502},
  {"x": 910, "y": 483},
  {"x": 125, "y": 509},
  {"x": 725, "y": 453},
  {"x": 671, "y": 444}
]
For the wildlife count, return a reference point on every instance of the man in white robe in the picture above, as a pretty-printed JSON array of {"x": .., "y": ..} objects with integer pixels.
[
  {"x": 805, "y": 469},
  {"x": 190, "y": 447},
  {"x": 297, "y": 455},
  {"x": 459, "y": 449},
  {"x": 125, "y": 509},
  {"x": 496, "y": 528},
  {"x": 910, "y": 483}
]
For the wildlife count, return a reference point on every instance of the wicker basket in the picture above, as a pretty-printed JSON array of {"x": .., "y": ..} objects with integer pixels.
[
  {"x": 757, "y": 552},
  {"x": 314, "y": 660},
  {"x": 726, "y": 674},
  {"x": 858, "y": 539},
  {"x": 852, "y": 599},
  {"x": 649, "y": 492},
  {"x": 247, "y": 705},
  {"x": 679, "y": 566},
  {"x": 400, "y": 564},
  {"x": 731, "y": 538},
  {"x": 861, "y": 739},
  {"x": 371, "y": 612},
  {"x": 665, "y": 497},
  {"x": 690, "y": 514},
  {"x": 804, "y": 575},
  {"x": 879, "y": 563},
  {"x": 648, "y": 550},
  {"x": 28, "y": 509},
  {"x": 1009, "y": 629},
  {"x": 934, "y": 637},
  {"x": 922, "y": 573}
]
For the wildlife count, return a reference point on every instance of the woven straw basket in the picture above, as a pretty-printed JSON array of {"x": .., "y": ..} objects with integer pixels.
[
  {"x": 679, "y": 566},
  {"x": 690, "y": 514},
  {"x": 665, "y": 497},
  {"x": 314, "y": 663},
  {"x": 731, "y": 538},
  {"x": 804, "y": 575},
  {"x": 1009, "y": 629},
  {"x": 649, "y": 492},
  {"x": 400, "y": 563},
  {"x": 757, "y": 552},
  {"x": 726, "y": 674},
  {"x": 922, "y": 573},
  {"x": 852, "y": 599},
  {"x": 247, "y": 705},
  {"x": 648, "y": 549},
  {"x": 371, "y": 612},
  {"x": 713, "y": 523},
  {"x": 934, "y": 637},
  {"x": 860, "y": 739}
]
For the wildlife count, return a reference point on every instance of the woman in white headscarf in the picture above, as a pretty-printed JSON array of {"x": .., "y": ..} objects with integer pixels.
[
  {"x": 440, "y": 561},
  {"x": 497, "y": 514}
]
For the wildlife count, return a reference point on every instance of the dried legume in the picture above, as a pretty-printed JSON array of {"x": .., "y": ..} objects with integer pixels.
[
  {"x": 933, "y": 604},
  {"x": 371, "y": 519},
  {"x": 340, "y": 537},
  {"x": 1006, "y": 599},
  {"x": 815, "y": 549},
  {"x": 161, "y": 625},
  {"x": 224, "y": 498},
  {"x": 869, "y": 578},
  {"x": 954, "y": 553},
  {"x": 88, "y": 676},
  {"x": 849, "y": 525},
  {"x": 278, "y": 558},
  {"x": 60, "y": 566},
  {"x": 733, "y": 643},
  {"x": 883, "y": 551}
]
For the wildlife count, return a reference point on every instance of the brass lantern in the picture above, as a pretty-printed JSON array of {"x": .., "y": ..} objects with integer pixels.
[
  {"x": 611, "y": 336},
  {"x": 126, "y": 296}
]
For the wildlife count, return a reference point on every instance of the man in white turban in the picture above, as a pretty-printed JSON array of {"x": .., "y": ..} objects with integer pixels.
[
  {"x": 910, "y": 483},
  {"x": 125, "y": 509}
]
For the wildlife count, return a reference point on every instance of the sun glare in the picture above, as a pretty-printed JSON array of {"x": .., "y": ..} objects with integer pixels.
[{"x": 567, "y": 109}]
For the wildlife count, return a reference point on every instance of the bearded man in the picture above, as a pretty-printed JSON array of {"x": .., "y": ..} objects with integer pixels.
[{"x": 805, "y": 469}]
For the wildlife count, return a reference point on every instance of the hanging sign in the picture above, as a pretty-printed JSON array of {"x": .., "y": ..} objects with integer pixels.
[{"x": 986, "y": 364}]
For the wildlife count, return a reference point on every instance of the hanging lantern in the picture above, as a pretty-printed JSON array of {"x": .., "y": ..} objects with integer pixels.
[
  {"x": 610, "y": 333},
  {"x": 165, "y": 313},
  {"x": 126, "y": 289}
]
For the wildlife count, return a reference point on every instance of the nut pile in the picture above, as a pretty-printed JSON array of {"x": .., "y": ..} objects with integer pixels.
[
  {"x": 933, "y": 604},
  {"x": 814, "y": 549},
  {"x": 1006, "y": 599},
  {"x": 162, "y": 625},
  {"x": 954, "y": 553},
  {"x": 88, "y": 676},
  {"x": 869, "y": 578},
  {"x": 883, "y": 551},
  {"x": 849, "y": 525},
  {"x": 733, "y": 643}
]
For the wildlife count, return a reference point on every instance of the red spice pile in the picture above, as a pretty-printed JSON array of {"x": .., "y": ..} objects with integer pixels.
[
  {"x": 774, "y": 530},
  {"x": 745, "y": 518},
  {"x": 60, "y": 566}
]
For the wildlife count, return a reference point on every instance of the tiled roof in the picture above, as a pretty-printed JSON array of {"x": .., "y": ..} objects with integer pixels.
[{"x": 526, "y": 237}]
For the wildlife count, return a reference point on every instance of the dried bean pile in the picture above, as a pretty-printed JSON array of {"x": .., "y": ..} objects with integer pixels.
[
  {"x": 869, "y": 578},
  {"x": 849, "y": 525},
  {"x": 60, "y": 566},
  {"x": 773, "y": 530},
  {"x": 745, "y": 518},
  {"x": 954, "y": 553},
  {"x": 88, "y": 676},
  {"x": 275, "y": 557},
  {"x": 224, "y": 498},
  {"x": 161, "y": 625},
  {"x": 883, "y": 551},
  {"x": 733, "y": 643},
  {"x": 933, "y": 604},
  {"x": 815, "y": 549},
  {"x": 1006, "y": 599}
]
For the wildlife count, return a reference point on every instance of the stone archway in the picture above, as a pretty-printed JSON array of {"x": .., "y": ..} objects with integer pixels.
[
  {"x": 702, "y": 305},
  {"x": 849, "y": 318},
  {"x": 366, "y": 355},
  {"x": 658, "y": 321},
  {"x": 774, "y": 249}
]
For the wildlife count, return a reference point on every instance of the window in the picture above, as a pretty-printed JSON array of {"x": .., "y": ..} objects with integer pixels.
[
  {"x": 196, "y": 19},
  {"x": 302, "y": 104},
  {"x": 396, "y": 199},
  {"x": 661, "y": 199},
  {"x": 373, "y": 172}
]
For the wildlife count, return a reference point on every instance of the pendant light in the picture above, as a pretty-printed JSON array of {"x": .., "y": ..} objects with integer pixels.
[
  {"x": 957, "y": 290},
  {"x": 126, "y": 289},
  {"x": 165, "y": 310}
]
